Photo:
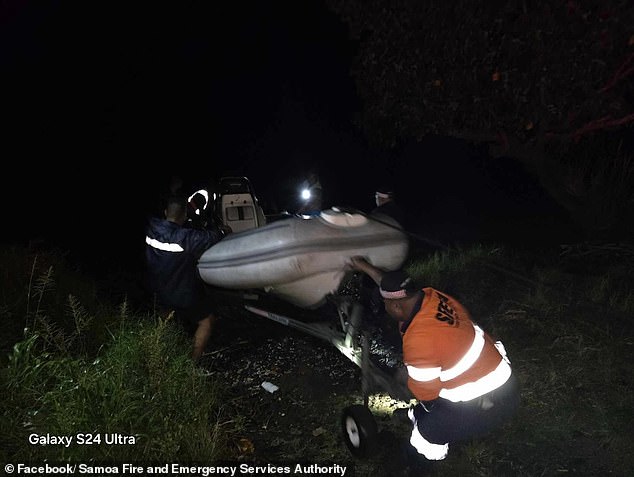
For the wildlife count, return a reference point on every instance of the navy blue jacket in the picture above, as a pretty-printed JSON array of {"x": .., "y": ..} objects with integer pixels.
[{"x": 172, "y": 254}]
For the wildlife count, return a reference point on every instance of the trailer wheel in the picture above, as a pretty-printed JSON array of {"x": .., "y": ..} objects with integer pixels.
[{"x": 359, "y": 429}]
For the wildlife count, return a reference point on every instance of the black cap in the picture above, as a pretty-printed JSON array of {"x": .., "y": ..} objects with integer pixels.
[{"x": 397, "y": 284}]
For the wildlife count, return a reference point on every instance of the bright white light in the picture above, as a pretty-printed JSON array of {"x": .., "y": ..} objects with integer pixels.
[
  {"x": 305, "y": 194},
  {"x": 382, "y": 404}
]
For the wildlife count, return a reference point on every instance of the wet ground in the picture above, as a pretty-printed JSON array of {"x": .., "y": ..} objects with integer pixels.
[{"x": 301, "y": 420}]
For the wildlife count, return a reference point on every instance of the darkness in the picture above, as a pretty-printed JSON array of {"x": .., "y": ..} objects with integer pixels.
[{"x": 107, "y": 101}]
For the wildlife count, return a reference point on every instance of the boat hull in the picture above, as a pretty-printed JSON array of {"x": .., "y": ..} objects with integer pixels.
[{"x": 302, "y": 260}]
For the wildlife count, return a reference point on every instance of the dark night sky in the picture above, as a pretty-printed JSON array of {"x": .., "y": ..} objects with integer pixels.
[{"x": 105, "y": 101}]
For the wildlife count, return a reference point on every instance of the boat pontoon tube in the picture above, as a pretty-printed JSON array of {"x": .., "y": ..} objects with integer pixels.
[{"x": 302, "y": 260}]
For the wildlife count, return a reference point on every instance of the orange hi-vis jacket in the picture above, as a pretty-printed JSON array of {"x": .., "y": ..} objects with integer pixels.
[{"x": 449, "y": 356}]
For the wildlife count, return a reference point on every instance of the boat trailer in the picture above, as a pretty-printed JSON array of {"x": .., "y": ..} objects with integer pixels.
[{"x": 348, "y": 336}]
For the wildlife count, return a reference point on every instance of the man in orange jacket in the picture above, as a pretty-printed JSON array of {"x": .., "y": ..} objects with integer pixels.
[{"x": 461, "y": 377}]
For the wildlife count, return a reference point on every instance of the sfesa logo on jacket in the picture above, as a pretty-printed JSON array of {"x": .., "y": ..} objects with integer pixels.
[{"x": 445, "y": 311}]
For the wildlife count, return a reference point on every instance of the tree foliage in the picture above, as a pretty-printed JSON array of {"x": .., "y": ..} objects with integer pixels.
[{"x": 535, "y": 79}]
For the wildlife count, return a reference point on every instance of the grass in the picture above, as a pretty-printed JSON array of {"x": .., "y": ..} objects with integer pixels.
[
  {"x": 569, "y": 338},
  {"x": 137, "y": 383},
  {"x": 135, "y": 387},
  {"x": 74, "y": 363}
]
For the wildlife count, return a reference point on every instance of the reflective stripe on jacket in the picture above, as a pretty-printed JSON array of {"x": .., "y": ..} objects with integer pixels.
[
  {"x": 171, "y": 255},
  {"x": 449, "y": 356}
]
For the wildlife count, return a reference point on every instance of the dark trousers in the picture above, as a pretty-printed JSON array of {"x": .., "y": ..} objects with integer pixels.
[{"x": 449, "y": 422}]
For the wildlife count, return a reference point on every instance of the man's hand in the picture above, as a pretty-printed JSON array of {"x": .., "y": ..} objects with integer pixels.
[
  {"x": 360, "y": 264},
  {"x": 357, "y": 263}
]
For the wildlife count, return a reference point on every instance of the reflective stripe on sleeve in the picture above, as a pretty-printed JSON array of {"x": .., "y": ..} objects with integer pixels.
[
  {"x": 167, "y": 247},
  {"x": 485, "y": 384},
  {"x": 422, "y": 374},
  {"x": 468, "y": 359}
]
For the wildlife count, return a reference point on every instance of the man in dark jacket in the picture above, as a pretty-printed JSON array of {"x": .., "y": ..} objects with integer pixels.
[{"x": 172, "y": 252}]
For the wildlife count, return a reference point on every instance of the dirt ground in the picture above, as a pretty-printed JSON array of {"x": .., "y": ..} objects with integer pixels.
[{"x": 301, "y": 421}]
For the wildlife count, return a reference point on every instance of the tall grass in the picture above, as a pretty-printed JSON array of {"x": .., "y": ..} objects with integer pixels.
[
  {"x": 138, "y": 383},
  {"x": 570, "y": 337},
  {"x": 74, "y": 367}
]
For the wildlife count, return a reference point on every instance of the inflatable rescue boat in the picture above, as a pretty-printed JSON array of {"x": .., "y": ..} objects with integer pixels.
[{"x": 302, "y": 260}]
